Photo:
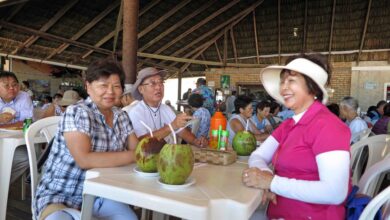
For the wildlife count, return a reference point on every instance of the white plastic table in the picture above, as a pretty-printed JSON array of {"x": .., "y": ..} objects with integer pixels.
[
  {"x": 217, "y": 194},
  {"x": 9, "y": 141}
]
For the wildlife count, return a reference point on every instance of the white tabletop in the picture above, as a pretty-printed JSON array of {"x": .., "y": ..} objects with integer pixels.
[{"x": 217, "y": 194}]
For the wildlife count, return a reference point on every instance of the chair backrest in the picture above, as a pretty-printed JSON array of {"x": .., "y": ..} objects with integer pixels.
[
  {"x": 382, "y": 199},
  {"x": 378, "y": 148},
  {"x": 364, "y": 134},
  {"x": 369, "y": 182},
  {"x": 47, "y": 127}
]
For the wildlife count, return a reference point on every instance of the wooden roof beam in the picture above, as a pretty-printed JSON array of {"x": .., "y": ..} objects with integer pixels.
[
  {"x": 218, "y": 52},
  {"x": 162, "y": 18},
  {"x": 279, "y": 45},
  {"x": 198, "y": 25},
  {"x": 255, "y": 33},
  {"x": 48, "y": 25},
  {"x": 86, "y": 28},
  {"x": 304, "y": 29},
  {"x": 364, "y": 32},
  {"x": 15, "y": 10},
  {"x": 112, "y": 33},
  {"x": 234, "y": 45},
  {"x": 233, "y": 19},
  {"x": 331, "y": 30},
  {"x": 177, "y": 25},
  {"x": 203, "y": 58}
]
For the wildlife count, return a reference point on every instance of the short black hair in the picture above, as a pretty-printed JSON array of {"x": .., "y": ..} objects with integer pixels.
[
  {"x": 57, "y": 95},
  {"x": 7, "y": 74},
  {"x": 104, "y": 68},
  {"x": 241, "y": 102},
  {"x": 274, "y": 106},
  {"x": 26, "y": 83},
  {"x": 195, "y": 100},
  {"x": 334, "y": 108},
  {"x": 201, "y": 81},
  {"x": 380, "y": 103},
  {"x": 386, "y": 110},
  {"x": 262, "y": 104}
]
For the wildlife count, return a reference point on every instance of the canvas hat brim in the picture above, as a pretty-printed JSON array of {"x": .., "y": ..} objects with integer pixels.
[
  {"x": 270, "y": 77},
  {"x": 70, "y": 97},
  {"x": 142, "y": 75}
]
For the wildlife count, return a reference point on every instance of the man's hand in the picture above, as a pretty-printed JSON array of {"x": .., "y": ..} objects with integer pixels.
[
  {"x": 180, "y": 121},
  {"x": 201, "y": 142},
  {"x": 6, "y": 117}
]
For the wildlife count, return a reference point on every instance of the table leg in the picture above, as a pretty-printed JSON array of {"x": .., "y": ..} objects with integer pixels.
[
  {"x": 86, "y": 208},
  {"x": 6, "y": 158}
]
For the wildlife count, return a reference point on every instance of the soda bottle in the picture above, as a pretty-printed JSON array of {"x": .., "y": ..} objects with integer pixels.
[
  {"x": 214, "y": 139},
  {"x": 217, "y": 120},
  {"x": 26, "y": 123},
  {"x": 224, "y": 140}
]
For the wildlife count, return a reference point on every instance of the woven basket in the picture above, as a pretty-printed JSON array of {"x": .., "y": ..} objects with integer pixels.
[{"x": 214, "y": 156}]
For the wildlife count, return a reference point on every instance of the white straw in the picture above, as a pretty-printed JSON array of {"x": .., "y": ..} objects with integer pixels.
[
  {"x": 150, "y": 130},
  {"x": 247, "y": 124},
  {"x": 173, "y": 133}
]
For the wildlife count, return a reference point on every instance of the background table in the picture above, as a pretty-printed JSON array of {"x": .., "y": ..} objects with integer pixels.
[
  {"x": 9, "y": 141},
  {"x": 217, "y": 194}
]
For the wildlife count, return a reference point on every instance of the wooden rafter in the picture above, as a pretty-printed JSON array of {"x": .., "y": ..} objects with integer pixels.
[
  {"x": 279, "y": 45},
  {"x": 162, "y": 18},
  {"x": 112, "y": 33},
  {"x": 255, "y": 34},
  {"x": 364, "y": 32},
  {"x": 234, "y": 45},
  {"x": 86, "y": 28},
  {"x": 14, "y": 12},
  {"x": 236, "y": 17},
  {"x": 218, "y": 53},
  {"x": 150, "y": 63},
  {"x": 203, "y": 58},
  {"x": 198, "y": 25},
  {"x": 177, "y": 25},
  {"x": 225, "y": 46},
  {"x": 331, "y": 30},
  {"x": 304, "y": 29},
  {"x": 48, "y": 25}
]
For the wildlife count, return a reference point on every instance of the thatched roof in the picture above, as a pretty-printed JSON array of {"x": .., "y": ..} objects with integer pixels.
[{"x": 75, "y": 32}]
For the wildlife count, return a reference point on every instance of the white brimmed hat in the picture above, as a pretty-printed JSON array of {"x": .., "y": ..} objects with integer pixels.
[
  {"x": 270, "y": 77},
  {"x": 142, "y": 75},
  {"x": 128, "y": 89},
  {"x": 70, "y": 97}
]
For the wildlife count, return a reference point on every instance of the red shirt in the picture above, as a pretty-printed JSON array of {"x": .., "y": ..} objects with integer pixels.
[{"x": 318, "y": 131}]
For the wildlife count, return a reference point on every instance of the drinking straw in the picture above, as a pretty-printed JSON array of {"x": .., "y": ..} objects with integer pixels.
[
  {"x": 247, "y": 124},
  {"x": 219, "y": 137},
  {"x": 147, "y": 127},
  {"x": 173, "y": 133}
]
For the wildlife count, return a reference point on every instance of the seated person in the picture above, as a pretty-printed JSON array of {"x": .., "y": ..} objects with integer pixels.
[
  {"x": 15, "y": 106},
  {"x": 127, "y": 99},
  {"x": 376, "y": 113},
  {"x": 261, "y": 117},
  {"x": 348, "y": 111},
  {"x": 201, "y": 113},
  {"x": 382, "y": 126},
  {"x": 92, "y": 133},
  {"x": 273, "y": 115},
  {"x": 58, "y": 108},
  {"x": 149, "y": 89},
  {"x": 242, "y": 115}
]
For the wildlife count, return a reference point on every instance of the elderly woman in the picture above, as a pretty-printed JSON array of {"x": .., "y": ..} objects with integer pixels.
[
  {"x": 238, "y": 121},
  {"x": 349, "y": 111},
  {"x": 311, "y": 167},
  {"x": 92, "y": 133}
]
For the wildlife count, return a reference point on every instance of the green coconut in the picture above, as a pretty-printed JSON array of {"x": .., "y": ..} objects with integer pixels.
[
  {"x": 244, "y": 143},
  {"x": 175, "y": 163},
  {"x": 146, "y": 154}
]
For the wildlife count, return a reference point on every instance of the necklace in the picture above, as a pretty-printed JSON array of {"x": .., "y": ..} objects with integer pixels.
[{"x": 151, "y": 111}]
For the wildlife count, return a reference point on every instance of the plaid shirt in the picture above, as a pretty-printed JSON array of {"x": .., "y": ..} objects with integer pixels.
[{"x": 62, "y": 181}]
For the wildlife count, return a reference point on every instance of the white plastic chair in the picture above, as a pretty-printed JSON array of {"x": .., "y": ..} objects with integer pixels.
[
  {"x": 370, "y": 181},
  {"x": 378, "y": 148},
  {"x": 47, "y": 127},
  {"x": 382, "y": 199},
  {"x": 364, "y": 134}
]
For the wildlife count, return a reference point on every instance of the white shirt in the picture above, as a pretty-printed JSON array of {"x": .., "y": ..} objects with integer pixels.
[
  {"x": 357, "y": 125},
  {"x": 128, "y": 108},
  {"x": 155, "y": 118}
]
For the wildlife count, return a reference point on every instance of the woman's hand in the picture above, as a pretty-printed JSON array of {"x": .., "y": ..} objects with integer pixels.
[
  {"x": 254, "y": 177},
  {"x": 267, "y": 195}
]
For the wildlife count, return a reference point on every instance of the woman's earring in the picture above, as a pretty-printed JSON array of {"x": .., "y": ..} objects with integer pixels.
[{"x": 315, "y": 97}]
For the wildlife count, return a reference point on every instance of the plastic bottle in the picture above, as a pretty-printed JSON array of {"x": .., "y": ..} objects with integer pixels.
[
  {"x": 224, "y": 140},
  {"x": 217, "y": 120},
  {"x": 26, "y": 123},
  {"x": 214, "y": 139}
]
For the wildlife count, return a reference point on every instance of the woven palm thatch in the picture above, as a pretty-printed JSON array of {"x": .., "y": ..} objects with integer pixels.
[{"x": 257, "y": 31}]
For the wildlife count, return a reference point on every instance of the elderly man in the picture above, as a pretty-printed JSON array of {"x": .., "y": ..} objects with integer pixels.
[
  {"x": 15, "y": 106},
  {"x": 149, "y": 89}
]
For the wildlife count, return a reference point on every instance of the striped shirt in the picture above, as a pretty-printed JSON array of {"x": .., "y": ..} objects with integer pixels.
[{"x": 62, "y": 181}]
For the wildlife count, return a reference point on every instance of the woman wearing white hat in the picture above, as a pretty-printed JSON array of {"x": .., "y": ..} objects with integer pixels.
[{"x": 309, "y": 152}]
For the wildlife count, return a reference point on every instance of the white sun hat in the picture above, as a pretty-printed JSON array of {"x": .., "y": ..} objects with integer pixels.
[{"x": 270, "y": 77}]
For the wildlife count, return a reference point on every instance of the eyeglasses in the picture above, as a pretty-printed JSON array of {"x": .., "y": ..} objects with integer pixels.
[
  {"x": 154, "y": 84},
  {"x": 8, "y": 86}
]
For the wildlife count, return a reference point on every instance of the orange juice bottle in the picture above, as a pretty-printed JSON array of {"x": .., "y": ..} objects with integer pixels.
[{"x": 217, "y": 120}]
